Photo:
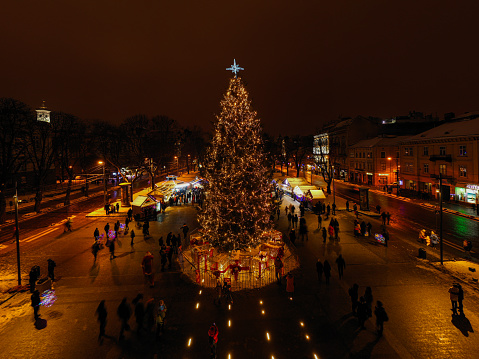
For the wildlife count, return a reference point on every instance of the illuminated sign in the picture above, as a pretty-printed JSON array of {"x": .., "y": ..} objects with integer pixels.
[{"x": 474, "y": 187}]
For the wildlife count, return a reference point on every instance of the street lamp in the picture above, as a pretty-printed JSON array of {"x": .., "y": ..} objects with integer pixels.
[
  {"x": 188, "y": 164},
  {"x": 104, "y": 182},
  {"x": 177, "y": 170},
  {"x": 334, "y": 191}
]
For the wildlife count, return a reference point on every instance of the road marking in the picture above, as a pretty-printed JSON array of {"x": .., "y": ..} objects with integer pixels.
[{"x": 41, "y": 234}]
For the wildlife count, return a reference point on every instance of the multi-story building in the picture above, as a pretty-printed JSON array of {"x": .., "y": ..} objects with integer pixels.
[
  {"x": 375, "y": 162},
  {"x": 450, "y": 151}
]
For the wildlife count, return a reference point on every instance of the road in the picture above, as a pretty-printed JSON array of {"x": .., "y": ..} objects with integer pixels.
[{"x": 317, "y": 321}]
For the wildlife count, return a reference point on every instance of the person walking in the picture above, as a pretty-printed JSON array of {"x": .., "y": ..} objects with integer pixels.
[
  {"x": 460, "y": 298},
  {"x": 161, "y": 318},
  {"x": 132, "y": 235},
  {"x": 51, "y": 269},
  {"x": 383, "y": 217},
  {"x": 334, "y": 208},
  {"x": 331, "y": 231},
  {"x": 130, "y": 214},
  {"x": 213, "y": 340},
  {"x": 124, "y": 313},
  {"x": 127, "y": 222},
  {"x": 362, "y": 312},
  {"x": 319, "y": 270},
  {"x": 368, "y": 229},
  {"x": 388, "y": 217},
  {"x": 278, "y": 268},
  {"x": 286, "y": 208},
  {"x": 169, "y": 254},
  {"x": 139, "y": 312},
  {"x": 96, "y": 234},
  {"x": 381, "y": 317},
  {"x": 295, "y": 221},
  {"x": 111, "y": 246},
  {"x": 368, "y": 297},
  {"x": 324, "y": 234},
  {"x": 320, "y": 220},
  {"x": 328, "y": 210},
  {"x": 303, "y": 229},
  {"x": 386, "y": 236},
  {"x": 336, "y": 229},
  {"x": 290, "y": 284},
  {"x": 454, "y": 296},
  {"x": 32, "y": 279},
  {"x": 185, "y": 230},
  {"x": 353, "y": 294},
  {"x": 290, "y": 219},
  {"x": 292, "y": 236},
  {"x": 35, "y": 298},
  {"x": 102, "y": 315},
  {"x": 117, "y": 207},
  {"x": 341, "y": 265},
  {"x": 107, "y": 230},
  {"x": 378, "y": 208},
  {"x": 347, "y": 206},
  {"x": 362, "y": 225},
  {"x": 94, "y": 249},
  {"x": 163, "y": 257},
  {"x": 327, "y": 271},
  {"x": 147, "y": 266},
  {"x": 278, "y": 212}
]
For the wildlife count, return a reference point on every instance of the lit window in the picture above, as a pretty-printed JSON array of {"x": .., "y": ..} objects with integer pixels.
[
  {"x": 462, "y": 151},
  {"x": 462, "y": 171},
  {"x": 443, "y": 169}
]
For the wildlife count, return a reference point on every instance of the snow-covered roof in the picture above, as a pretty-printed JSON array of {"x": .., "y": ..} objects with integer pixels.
[
  {"x": 463, "y": 128},
  {"x": 316, "y": 194},
  {"x": 381, "y": 141}
]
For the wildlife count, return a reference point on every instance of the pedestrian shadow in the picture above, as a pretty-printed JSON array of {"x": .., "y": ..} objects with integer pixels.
[
  {"x": 463, "y": 324},
  {"x": 365, "y": 352},
  {"x": 94, "y": 271},
  {"x": 115, "y": 273},
  {"x": 124, "y": 254},
  {"x": 40, "y": 324}
]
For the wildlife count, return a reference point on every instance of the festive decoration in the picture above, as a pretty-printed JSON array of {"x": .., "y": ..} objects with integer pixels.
[
  {"x": 235, "y": 68},
  {"x": 238, "y": 201},
  {"x": 47, "y": 298}
]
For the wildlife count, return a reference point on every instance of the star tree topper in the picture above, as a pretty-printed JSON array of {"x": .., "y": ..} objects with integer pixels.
[{"x": 235, "y": 68}]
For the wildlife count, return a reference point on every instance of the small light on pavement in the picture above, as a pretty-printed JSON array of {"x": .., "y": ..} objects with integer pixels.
[
  {"x": 229, "y": 323},
  {"x": 261, "y": 302},
  {"x": 200, "y": 291},
  {"x": 307, "y": 337},
  {"x": 262, "y": 312},
  {"x": 229, "y": 356},
  {"x": 229, "y": 306},
  {"x": 315, "y": 356},
  {"x": 267, "y": 335},
  {"x": 197, "y": 305},
  {"x": 189, "y": 341},
  {"x": 301, "y": 323},
  {"x": 290, "y": 298}
]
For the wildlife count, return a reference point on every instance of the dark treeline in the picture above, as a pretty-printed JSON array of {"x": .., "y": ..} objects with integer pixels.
[{"x": 69, "y": 146}]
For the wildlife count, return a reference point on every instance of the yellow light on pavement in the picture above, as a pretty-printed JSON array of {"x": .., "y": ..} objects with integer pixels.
[
  {"x": 262, "y": 312},
  {"x": 229, "y": 323},
  {"x": 200, "y": 291},
  {"x": 261, "y": 302},
  {"x": 267, "y": 335},
  {"x": 229, "y": 306},
  {"x": 197, "y": 305},
  {"x": 307, "y": 337},
  {"x": 189, "y": 341},
  {"x": 301, "y": 323}
]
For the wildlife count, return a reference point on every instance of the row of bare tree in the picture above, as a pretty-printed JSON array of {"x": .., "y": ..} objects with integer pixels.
[{"x": 143, "y": 143}]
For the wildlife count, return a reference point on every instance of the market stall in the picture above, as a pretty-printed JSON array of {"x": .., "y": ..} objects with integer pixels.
[{"x": 145, "y": 204}]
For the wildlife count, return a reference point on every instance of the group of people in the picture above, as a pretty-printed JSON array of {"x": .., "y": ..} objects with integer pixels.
[
  {"x": 111, "y": 208},
  {"x": 149, "y": 316},
  {"x": 429, "y": 237},
  {"x": 361, "y": 229},
  {"x": 362, "y": 308}
]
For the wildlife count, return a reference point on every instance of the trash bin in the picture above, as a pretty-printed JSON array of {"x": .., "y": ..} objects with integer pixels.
[{"x": 422, "y": 253}]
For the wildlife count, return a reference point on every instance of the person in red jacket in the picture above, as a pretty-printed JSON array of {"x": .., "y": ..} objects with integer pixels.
[
  {"x": 213, "y": 340},
  {"x": 147, "y": 265}
]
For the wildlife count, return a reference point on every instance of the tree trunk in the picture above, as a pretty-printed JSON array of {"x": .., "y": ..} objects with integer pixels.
[
  {"x": 38, "y": 200},
  {"x": 298, "y": 169}
]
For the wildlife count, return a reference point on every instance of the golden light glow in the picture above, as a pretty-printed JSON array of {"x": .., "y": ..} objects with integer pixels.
[
  {"x": 262, "y": 312},
  {"x": 100, "y": 162},
  {"x": 201, "y": 292},
  {"x": 301, "y": 323},
  {"x": 197, "y": 305},
  {"x": 315, "y": 356},
  {"x": 189, "y": 341},
  {"x": 229, "y": 323},
  {"x": 261, "y": 302},
  {"x": 307, "y": 336},
  {"x": 267, "y": 335},
  {"x": 229, "y": 306}
]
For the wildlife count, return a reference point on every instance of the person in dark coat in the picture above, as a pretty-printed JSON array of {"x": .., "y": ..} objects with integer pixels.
[
  {"x": 96, "y": 234},
  {"x": 139, "y": 312},
  {"x": 295, "y": 221},
  {"x": 94, "y": 249},
  {"x": 368, "y": 297},
  {"x": 460, "y": 298},
  {"x": 336, "y": 229},
  {"x": 381, "y": 317},
  {"x": 362, "y": 312},
  {"x": 347, "y": 206},
  {"x": 213, "y": 340},
  {"x": 327, "y": 271},
  {"x": 363, "y": 228},
  {"x": 107, "y": 229},
  {"x": 319, "y": 221},
  {"x": 111, "y": 246},
  {"x": 169, "y": 254},
  {"x": 124, "y": 313},
  {"x": 127, "y": 222},
  {"x": 319, "y": 270},
  {"x": 290, "y": 217},
  {"x": 130, "y": 214},
  {"x": 368, "y": 229},
  {"x": 51, "y": 269},
  {"x": 292, "y": 236},
  {"x": 163, "y": 257},
  {"x": 324, "y": 234},
  {"x": 102, "y": 314},
  {"x": 185, "y": 230},
  {"x": 132, "y": 235},
  {"x": 32, "y": 279},
  {"x": 353, "y": 294},
  {"x": 341, "y": 265},
  {"x": 118, "y": 207},
  {"x": 35, "y": 298}
]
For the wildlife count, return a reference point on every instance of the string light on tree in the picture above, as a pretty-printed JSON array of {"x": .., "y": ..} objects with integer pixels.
[{"x": 238, "y": 203}]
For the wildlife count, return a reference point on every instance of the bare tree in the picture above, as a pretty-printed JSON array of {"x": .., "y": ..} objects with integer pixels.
[{"x": 14, "y": 116}]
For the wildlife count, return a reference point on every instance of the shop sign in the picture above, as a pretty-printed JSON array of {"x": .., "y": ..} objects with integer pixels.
[{"x": 474, "y": 187}]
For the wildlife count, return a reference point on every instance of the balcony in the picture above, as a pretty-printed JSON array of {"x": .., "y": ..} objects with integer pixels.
[{"x": 446, "y": 158}]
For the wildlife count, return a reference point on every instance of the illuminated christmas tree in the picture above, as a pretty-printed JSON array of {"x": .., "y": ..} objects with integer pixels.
[{"x": 238, "y": 200}]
